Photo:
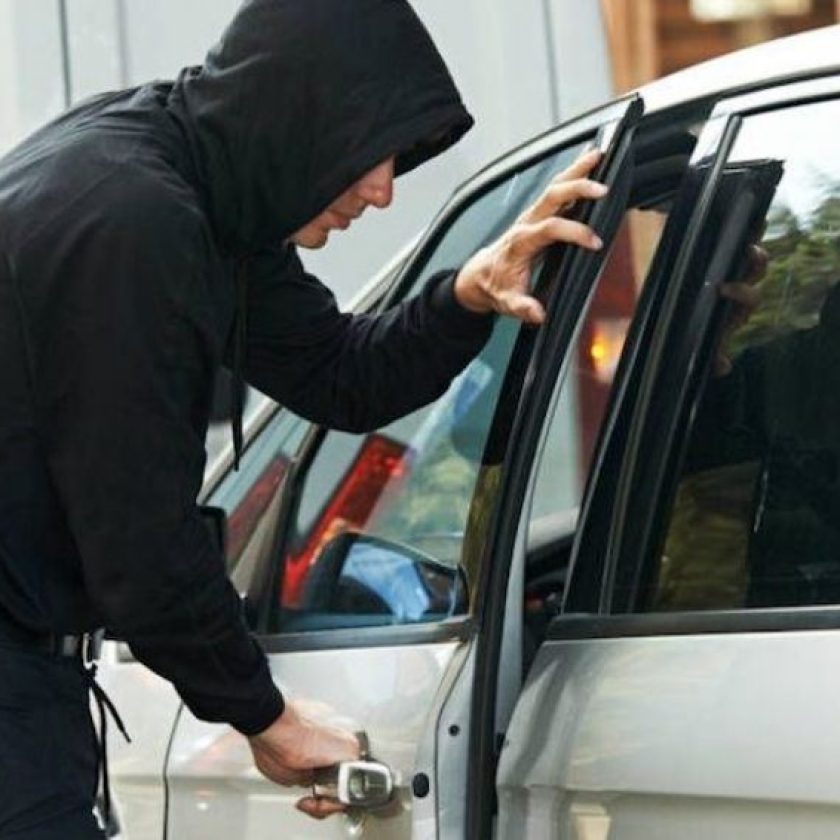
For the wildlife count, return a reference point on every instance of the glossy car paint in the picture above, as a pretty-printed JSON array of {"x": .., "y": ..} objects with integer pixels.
[
  {"x": 668, "y": 734},
  {"x": 149, "y": 707},
  {"x": 215, "y": 791},
  {"x": 717, "y": 735},
  {"x": 807, "y": 53}
]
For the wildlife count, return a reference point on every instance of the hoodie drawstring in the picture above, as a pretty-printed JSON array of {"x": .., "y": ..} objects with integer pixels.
[
  {"x": 237, "y": 379},
  {"x": 105, "y": 707}
]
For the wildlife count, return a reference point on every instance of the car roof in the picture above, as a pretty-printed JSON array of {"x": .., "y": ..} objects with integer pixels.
[
  {"x": 807, "y": 53},
  {"x": 811, "y": 53}
]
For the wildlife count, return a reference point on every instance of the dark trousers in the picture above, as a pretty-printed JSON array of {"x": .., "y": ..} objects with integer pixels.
[{"x": 48, "y": 748}]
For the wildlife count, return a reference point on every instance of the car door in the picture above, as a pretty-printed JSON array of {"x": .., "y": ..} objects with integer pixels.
[
  {"x": 363, "y": 561},
  {"x": 688, "y": 687}
]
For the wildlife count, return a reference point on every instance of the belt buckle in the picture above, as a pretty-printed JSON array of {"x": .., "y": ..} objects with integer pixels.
[{"x": 92, "y": 646}]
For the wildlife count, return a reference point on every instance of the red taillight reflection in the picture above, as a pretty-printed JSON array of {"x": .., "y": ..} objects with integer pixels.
[
  {"x": 246, "y": 516},
  {"x": 380, "y": 462}
]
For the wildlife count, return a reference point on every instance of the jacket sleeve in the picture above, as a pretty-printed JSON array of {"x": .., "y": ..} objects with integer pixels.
[
  {"x": 122, "y": 383},
  {"x": 353, "y": 372}
]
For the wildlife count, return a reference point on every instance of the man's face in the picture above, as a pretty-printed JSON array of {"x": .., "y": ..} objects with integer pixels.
[{"x": 375, "y": 188}]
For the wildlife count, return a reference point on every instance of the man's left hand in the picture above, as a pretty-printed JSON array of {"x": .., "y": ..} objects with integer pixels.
[{"x": 496, "y": 278}]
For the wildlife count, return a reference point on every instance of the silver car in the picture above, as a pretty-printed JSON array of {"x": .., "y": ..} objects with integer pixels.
[{"x": 591, "y": 592}]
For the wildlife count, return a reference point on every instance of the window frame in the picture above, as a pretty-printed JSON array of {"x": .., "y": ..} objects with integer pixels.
[
  {"x": 628, "y": 507},
  {"x": 463, "y": 627},
  {"x": 567, "y": 305},
  {"x": 267, "y": 580}
]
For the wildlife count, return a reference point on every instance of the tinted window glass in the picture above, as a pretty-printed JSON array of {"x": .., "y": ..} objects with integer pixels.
[
  {"x": 584, "y": 392},
  {"x": 380, "y": 535},
  {"x": 249, "y": 496},
  {"x": 756, "y": 520}
]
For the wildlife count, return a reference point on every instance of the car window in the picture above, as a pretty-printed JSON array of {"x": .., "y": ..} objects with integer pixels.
[
  {"x": 756, "y": 518},
  {"x": 251, "y": 495},
  {"x": 378, "y": 536},
  {"x": 247, "y": 494},
  {"x": 584, "y": 391}
]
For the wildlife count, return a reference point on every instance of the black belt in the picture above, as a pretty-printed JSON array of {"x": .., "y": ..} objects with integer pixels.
[{"x": 86, "y": 646}]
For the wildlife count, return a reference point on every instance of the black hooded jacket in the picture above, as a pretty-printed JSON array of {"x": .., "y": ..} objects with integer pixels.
[{"x": 140, "y": 235}]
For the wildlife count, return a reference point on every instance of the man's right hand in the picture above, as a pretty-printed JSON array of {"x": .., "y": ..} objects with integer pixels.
[
  {"x": 495, "y": 279},
  {"x": 745, "y": 299},
  {"x": 294, "y": 746}
]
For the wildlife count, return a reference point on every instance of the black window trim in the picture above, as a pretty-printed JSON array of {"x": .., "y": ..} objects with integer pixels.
[
  {"x": 589, "y": 569},
  {"x": 641, "y": 504},
  {"x": 458, "y": 629},
  {"x": 581, "y": 272},
  {"x": 625, "y": 523},
  {"x": 577, "y": 130},
  {"x": 580, "y": 627}
]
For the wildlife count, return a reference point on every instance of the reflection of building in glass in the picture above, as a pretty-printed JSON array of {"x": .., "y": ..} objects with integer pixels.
[{"x": 652, "y": 38}]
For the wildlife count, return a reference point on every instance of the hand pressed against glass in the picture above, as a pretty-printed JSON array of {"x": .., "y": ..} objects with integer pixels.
[
  {"x": 496, "y": 278},
  {"x": 745, "y": 298}
]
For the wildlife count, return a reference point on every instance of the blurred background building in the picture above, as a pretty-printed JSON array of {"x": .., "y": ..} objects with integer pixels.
[{"x": 652, "y": 38}]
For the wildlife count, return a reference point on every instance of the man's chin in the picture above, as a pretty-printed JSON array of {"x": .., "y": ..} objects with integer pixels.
[{"x": 311, "y": 240}]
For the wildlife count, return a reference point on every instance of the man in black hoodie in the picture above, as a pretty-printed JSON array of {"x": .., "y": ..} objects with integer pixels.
[{"x": 146, "y": 238}]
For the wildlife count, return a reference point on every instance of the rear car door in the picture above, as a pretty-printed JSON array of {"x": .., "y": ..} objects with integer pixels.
[
  {"x": 689, "y": 688},
  {"x": 363, "y": 559}
]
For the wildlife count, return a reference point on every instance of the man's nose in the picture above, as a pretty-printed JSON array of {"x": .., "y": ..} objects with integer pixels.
[{"x": 377, "y": 187}]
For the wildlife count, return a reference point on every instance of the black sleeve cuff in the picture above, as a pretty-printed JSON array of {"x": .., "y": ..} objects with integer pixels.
[
  {"x": 455, "y": 317},
  {"x": 263, "y": 713}
]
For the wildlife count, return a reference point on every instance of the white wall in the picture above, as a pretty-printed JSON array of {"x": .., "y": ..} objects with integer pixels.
[
  {"x": 10, "y": 128},
  {"x": 31, "y": 74},
  {"x": 95, "y": 60}
]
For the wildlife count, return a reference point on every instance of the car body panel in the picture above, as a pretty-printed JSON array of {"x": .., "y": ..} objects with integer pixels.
[
  {"x": 712, "y": 735},
  {"x": 149, "y": 707},
  {"x": 387, "y": 691},
  {"x": 805, "y": 54},
  {"x": 679, "y": 724}
]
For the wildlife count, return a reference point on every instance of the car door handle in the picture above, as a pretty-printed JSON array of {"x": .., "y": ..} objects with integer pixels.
[
  {"x": 361, "y": 784},
  {"x": 365, "y": 783}
]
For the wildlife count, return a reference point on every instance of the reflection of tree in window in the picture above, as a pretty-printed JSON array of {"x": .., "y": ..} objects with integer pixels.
[{"x": 755, "y": 520}]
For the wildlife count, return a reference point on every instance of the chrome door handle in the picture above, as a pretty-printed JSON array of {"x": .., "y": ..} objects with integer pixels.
[
  {"x": 361, "y": 784},
  {"x": 366, "y": 783}
]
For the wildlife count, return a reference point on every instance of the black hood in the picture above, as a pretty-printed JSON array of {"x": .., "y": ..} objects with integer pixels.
[{"x": 299, "y": 99}]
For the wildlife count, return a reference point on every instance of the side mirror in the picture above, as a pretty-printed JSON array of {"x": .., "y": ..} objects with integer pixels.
[{"x": 360, "y": 574}]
